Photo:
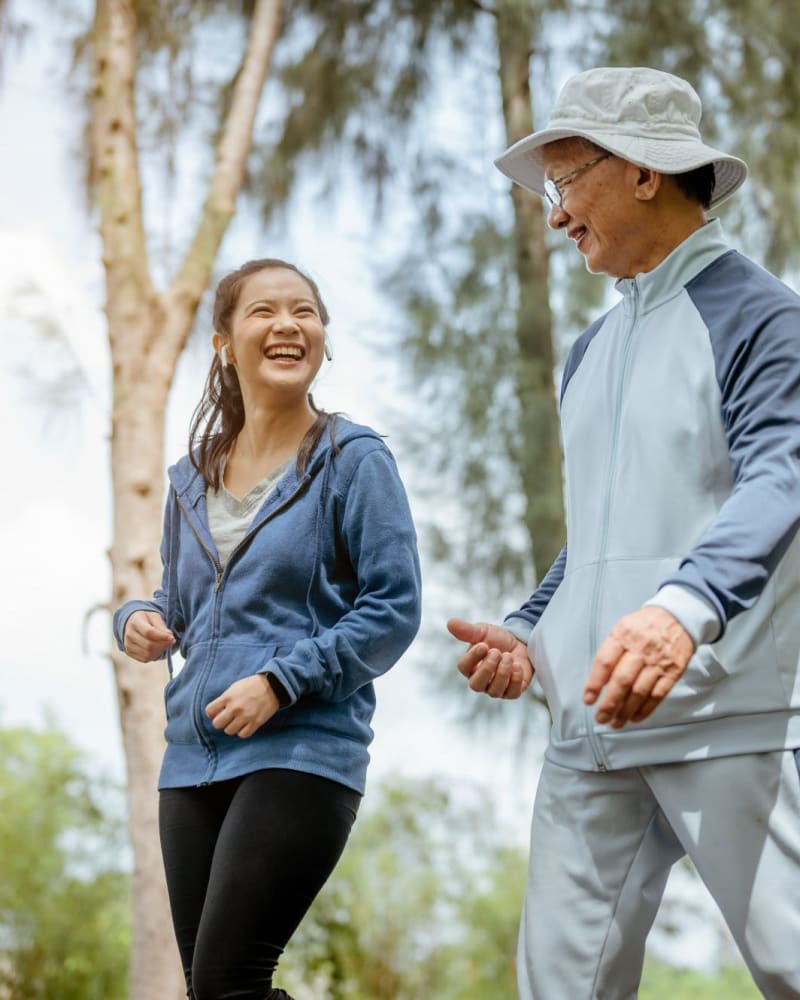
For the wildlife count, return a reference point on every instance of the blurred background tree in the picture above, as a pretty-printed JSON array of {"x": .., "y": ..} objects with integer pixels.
[
  {"x": 64, "y": 882},
  {"x": 425, "y": 903},
  {"x": 398, "y": 920}
]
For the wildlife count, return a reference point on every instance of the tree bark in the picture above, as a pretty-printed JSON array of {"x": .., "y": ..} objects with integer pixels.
[
  {"x": 147, "y": 332},
  {"x": 540, "y": 449}
]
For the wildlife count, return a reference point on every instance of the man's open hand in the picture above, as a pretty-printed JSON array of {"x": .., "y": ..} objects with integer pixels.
[{"x": 638, "y": 664}]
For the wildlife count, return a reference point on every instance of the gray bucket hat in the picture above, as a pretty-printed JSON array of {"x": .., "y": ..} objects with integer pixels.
[{"x": 643, "y": 115}]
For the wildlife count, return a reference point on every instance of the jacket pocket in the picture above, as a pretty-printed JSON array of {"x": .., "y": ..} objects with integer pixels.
[
  {"x": 704, "y": 669},
  {"x": 559, "y": 650},
  {"x": 209, "y": 670},
  {"x": 178, "y": 697}
]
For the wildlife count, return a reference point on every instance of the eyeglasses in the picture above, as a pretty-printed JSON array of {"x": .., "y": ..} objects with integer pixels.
[{"x": 553, "y": 192}]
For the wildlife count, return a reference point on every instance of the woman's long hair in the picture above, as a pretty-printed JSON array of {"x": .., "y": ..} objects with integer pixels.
[{"x": 219, "y": 416}]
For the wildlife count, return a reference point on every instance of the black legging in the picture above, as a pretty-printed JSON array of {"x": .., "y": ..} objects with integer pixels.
[{"x": 244, "y": 860}]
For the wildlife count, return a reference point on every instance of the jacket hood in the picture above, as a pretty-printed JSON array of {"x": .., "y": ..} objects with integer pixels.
[{"x": 187, "y": 481}]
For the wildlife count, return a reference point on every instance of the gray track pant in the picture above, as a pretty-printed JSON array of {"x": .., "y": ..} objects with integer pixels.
[{"x": 602, "y": 845}]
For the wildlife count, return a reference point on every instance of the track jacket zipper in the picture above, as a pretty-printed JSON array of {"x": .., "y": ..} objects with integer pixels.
[{"x": 594, "y": 636}]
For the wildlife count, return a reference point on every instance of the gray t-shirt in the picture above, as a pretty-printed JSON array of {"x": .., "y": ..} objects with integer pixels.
[{"x": 229, "y": 517}]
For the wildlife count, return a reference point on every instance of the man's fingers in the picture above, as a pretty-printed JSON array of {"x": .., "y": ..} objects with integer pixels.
[
  {"x": 638, "y": 665},
  {"x": 639, "y": 693},
  {"x": 484, "y": 671},
  {"x": 500, "y": 676},
  {"x": 511, "y": 678},
  {"x": 620, "y": 685},
  {"x": 516, "y": 685},
  {"x": 498, "y": 686},
  {"x": 523, "y": 675},
  {"x": 602, "y": 667},
  {"x": 633, "y": 692},
  {"x": 470, "y": 659},
  {"x": 646, "y": 709},
  {"x": 496, "y": 662},
  {"x": 664, "y": 683}
]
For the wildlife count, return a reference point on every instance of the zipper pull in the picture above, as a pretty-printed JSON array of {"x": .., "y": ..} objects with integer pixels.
[{"x": 219, "y": 580}]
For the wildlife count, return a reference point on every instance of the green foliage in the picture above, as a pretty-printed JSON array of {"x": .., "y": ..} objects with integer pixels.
[
  {"x": 425, "y": 902},
  {"x": 663, "y": 982},
  {"x": 354, "y": 76},
  {"x": 461, "y": 320},
  {"x": 742, "y": 57},
  {"x": 469, "y": 298},
  {"x": 63, "y": 894}
]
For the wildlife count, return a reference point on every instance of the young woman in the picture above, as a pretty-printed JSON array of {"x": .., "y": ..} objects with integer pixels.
[{"x": 291, "y": 581}]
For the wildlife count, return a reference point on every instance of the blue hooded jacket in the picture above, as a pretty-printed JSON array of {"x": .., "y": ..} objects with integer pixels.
[{"x": 323, "y": 593}]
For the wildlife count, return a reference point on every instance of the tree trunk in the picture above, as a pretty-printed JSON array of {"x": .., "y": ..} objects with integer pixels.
[
  {"x": 147, "y": 332},
  {"x": 540, "y": 448}
]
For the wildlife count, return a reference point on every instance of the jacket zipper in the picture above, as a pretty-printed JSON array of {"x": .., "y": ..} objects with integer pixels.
[
  {"x": 268, "y": 517},
  {"x": 220, "y": 573},
  {"x": 600, "y": 758},
  {"x": 212, "y": 648}
]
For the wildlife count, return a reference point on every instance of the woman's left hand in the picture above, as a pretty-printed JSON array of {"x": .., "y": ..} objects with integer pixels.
[{"x": 244, "y": 707}]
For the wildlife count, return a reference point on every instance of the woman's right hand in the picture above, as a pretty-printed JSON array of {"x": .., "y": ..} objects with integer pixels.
[{"x": 146, "y": 636}]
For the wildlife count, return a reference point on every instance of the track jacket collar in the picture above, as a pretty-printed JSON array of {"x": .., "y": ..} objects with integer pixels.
[{"x": 687, "y": 260}]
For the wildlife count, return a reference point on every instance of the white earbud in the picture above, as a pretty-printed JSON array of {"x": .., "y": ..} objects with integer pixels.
[
  {"x": 223, "y": 356},
  {"x": 327, "y": 349}
]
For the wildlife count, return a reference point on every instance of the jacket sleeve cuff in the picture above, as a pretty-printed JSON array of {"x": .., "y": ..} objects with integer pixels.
[
  {"x": 281, "y": 693},
  {"x": 285, "y": 691},
  {"x": 696, "y": 615},
  {"x": 120, "y": 620},
  {"x": 518, "y": 627}
]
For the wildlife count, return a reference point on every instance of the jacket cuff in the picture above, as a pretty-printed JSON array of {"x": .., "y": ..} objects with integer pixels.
[
  {"x": 695, "y": 613},
  {"x": 281, "y": 693},
  {"x": 281, "y": 684},
  {"x": 520, "y": 628},
  {"x": 120, "y": 620}
]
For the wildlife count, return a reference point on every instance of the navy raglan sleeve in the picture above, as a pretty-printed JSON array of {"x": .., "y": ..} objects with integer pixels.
[{"x": 754, "y": 326}]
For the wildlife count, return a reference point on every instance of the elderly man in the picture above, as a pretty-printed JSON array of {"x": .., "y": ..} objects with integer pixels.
[{"x": 666, "y": 635}]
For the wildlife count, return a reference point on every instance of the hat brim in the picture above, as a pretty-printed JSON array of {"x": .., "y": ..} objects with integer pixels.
[{"x": 523, "y": 162}]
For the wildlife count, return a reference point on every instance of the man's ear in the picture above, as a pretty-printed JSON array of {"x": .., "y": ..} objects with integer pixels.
[{"x": 648, "y": 183}]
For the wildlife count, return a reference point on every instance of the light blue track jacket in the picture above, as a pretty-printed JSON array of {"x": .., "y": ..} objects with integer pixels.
[
  {"x": 323, "y": 592},
  {"x": 680, "y": 420}
]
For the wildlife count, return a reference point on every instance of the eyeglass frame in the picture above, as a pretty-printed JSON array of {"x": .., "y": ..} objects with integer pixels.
[{"x": 553, "y": 193}]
